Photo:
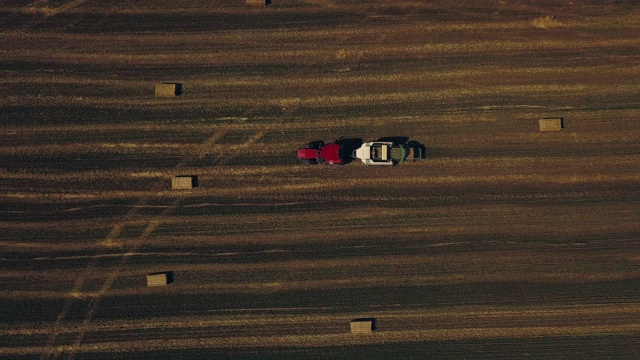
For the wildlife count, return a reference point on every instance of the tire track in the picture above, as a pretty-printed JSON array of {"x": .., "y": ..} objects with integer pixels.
[
  {"x": 153, "y": 224},
  {"x": 50, "y": 350},
  {"x": 108, "y": 283},
  {"x": 109, "y": 241},
  {"x": 226, "y": 157}
]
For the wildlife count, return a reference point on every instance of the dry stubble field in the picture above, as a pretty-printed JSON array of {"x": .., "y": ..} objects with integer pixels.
[{"x": 504, "y": 242}]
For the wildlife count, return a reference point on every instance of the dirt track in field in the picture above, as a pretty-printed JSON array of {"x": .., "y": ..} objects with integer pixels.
[{"x": 504, "y": 242}]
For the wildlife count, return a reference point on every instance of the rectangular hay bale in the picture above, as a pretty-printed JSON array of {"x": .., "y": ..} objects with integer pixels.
[
  {"x": 362, "y": 326},
  {"x": 168, "y": 89},
  {"x": 258, "y": 2},
  {"x": 184, "y": 182},
  {"x": 160, "y": 278},
  {"x": 551, "y": 124}
]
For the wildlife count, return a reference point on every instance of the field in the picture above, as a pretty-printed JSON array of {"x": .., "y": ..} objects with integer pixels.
[{"x": 504, "y": 242}]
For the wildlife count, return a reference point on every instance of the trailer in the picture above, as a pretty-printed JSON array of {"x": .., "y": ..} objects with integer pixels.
[{"x": 388, "y": 153}]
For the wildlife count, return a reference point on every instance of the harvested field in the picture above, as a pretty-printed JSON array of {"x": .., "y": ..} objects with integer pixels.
[{"x": 505, "y": 242}]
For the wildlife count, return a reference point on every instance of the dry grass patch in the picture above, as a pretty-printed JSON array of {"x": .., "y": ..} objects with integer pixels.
[{"x": 546, "y": 22}]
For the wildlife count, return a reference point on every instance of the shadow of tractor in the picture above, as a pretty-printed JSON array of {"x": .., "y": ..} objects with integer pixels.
[
  {"x": 417, "y": 150},
  {"x": 347, "y": 147},
  {"x": 396, "y": 140}
]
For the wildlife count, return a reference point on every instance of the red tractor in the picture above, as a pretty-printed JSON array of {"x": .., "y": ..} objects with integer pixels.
[{"x": 317, "y": 152}]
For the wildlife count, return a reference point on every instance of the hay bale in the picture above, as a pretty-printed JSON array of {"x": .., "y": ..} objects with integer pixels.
[
  {"x": 362, "y": 326},
  {"x": 258, "y": 2},
  {"x": 551, "y": 124},
  {"x": 168, "y": 89},
  {"x": 160, "y": 279},
  {"x": 184, "y": 182}
]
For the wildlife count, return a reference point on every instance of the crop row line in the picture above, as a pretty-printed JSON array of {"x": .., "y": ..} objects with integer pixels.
[{"x": 332, "y": 340}]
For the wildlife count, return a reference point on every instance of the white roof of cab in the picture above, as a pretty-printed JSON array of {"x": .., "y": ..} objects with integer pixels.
[{"x": 364, "y": 153}]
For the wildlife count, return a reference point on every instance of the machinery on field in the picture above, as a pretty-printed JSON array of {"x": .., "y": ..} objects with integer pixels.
[
  {"x": 385, "y": 151},
  {"x": 317, "y": 152},
  {"x": 388, "y": 152}
]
